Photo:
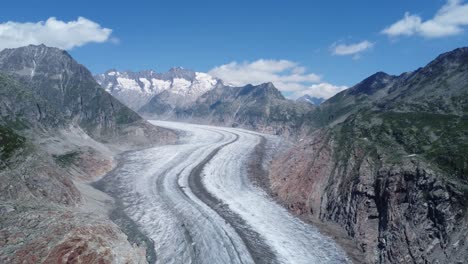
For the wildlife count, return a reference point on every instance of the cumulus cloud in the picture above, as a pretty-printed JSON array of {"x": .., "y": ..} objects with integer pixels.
[
  {"x": 320, "y": 90},
  {"x": 351, "y": 49},
  {"x": 287, "y": 76},
  {"x": 52, "y": 32},
  {"x": 448, "y": 21}
]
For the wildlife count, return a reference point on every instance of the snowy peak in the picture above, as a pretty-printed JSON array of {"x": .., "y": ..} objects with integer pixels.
[
  {"x": 135, "y": 89},
  {"x": 310, "y": 99},
  {"x": 180, "y": 73}
]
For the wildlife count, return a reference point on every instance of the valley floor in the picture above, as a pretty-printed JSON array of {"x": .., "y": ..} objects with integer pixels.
[{"x": 196, "y": 202}]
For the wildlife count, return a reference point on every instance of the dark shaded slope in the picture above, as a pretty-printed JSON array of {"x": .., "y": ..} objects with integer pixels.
[{"x": 68, "y": 87}]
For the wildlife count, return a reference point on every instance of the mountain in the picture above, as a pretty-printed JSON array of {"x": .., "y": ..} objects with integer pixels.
[
  {"x": 440, "y": 87},
  {"x": 260, "y": 107},
  {"x": 60, "y": 130},
  {"x": 310, "y": 99},
  {"x": 387, "y": 161},
  {"x": 70, "y": 89},
  {"x": 177, "y": 87}
]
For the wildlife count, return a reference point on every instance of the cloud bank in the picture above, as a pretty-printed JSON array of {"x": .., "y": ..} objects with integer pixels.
[
  {"x": 448, "y": 21},
  {"x": 52, "y": 32},
  {"x": 287, "y": 76},
  {"x": 320, "y": 90}
]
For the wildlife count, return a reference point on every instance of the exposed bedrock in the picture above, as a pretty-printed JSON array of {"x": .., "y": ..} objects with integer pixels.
[{"x": 401, "y": 213}]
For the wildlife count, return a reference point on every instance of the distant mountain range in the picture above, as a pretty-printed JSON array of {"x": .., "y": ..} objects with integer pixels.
[
  {"x": 178, "y": 86},
  {"x": 181, "y": 94},
  {"x": 310, "y": 99}
]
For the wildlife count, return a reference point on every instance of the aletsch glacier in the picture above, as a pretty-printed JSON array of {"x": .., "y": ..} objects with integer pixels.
[{"x": 241, "y": 224}]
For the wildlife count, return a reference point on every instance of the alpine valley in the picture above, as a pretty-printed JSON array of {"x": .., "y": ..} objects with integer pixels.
[
  {"x": 385, "y": 160},
  {"x": 178, "y": 167}
]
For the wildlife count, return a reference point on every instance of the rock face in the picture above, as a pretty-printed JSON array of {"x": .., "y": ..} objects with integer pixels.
[
  {"x": 389, "y": 164},
  {"x": 177, "y": 87},
  {"x": 52, "y": 235},
  {"x": 260, "y": 107},
  {"x": 58, "y": 130}
]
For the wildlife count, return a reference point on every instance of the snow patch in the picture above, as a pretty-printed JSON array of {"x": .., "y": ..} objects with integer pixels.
[
  {"x": 146, "y": 85},
  {"x": 128, "y": 84},
  {"x": 160, "y": 85},
  {"x": 180, "y": 86}
]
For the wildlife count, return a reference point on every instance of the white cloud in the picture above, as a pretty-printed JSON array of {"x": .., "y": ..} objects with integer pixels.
[
  {"x": 448, "y": 21},
  {"x": 287, "y": 76},
  {"x": 52, "y": 32},
  {"x": 351, "y": 49},
  {"x": 320, "y": 90}
]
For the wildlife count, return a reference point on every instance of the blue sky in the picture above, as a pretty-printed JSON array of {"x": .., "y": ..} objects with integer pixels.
[{"x": 202, "y": 35}]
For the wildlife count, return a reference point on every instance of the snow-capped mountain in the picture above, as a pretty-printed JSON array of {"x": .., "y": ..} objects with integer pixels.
[
  {"x": 310, "y": 99},
  {"x": 135, "y": 89}
]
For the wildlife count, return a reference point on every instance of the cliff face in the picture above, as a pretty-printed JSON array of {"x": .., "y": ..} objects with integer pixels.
[
  {"x": 397, "y": 212},
  {"x": 389, "y": 165}
]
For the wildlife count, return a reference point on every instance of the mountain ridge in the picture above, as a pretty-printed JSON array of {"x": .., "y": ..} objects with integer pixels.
[
  {"x": 135, "y": 89},
  {"x": 259, "y": 107},
  {"x": 386, "y": 160}
]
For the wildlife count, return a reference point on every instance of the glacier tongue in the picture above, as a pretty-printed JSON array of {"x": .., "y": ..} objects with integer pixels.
[{"x": 157, "y": 191}]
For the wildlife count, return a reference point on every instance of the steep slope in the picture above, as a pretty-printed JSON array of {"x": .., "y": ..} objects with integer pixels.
[
  {"x": 261, "y": 107},
  {"x": 438, "y": 87},
  {"x": 389, "y": 164},
  {"x": 70, "y": 88},
  {"x": 177, "y": 87},
  {"x": 59, "y": 130}
]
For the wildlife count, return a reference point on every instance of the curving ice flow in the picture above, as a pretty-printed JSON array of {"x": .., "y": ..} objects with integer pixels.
[{"x": 195, "y": 201}]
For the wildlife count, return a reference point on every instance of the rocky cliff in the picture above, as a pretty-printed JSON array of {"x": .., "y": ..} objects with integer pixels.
[{"x": 389, "y": 164}]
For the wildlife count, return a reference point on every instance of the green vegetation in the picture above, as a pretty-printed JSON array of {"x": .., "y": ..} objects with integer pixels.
[
  {"x": 66, "y": 159},
  {"x": 440, "y": 139},
  {"x": 16, "y": 124},
  {"x": 10, "y": 142}
]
